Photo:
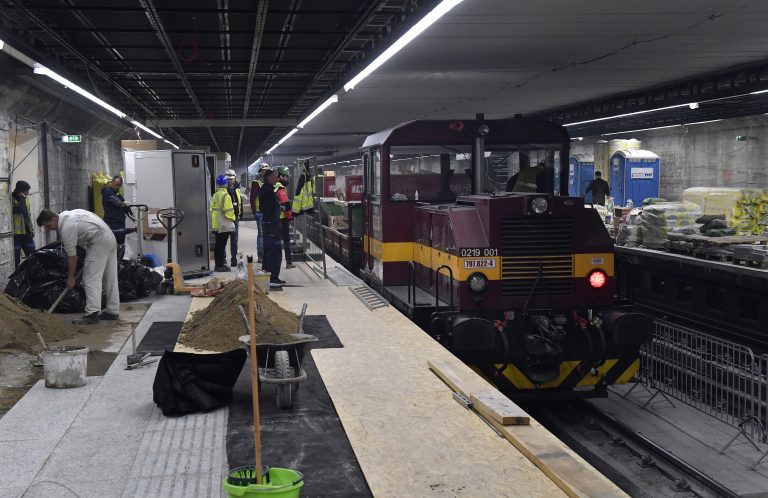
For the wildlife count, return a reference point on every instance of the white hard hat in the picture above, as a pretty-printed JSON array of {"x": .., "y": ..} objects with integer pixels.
[{"x": 230, "y": 173}]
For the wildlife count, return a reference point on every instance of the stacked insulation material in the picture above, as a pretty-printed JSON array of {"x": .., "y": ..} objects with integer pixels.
[
  {"x": 657, "y": 220},
  {"x": 745, "y": 209}
]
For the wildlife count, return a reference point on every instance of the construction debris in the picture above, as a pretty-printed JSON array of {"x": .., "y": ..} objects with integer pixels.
[
  {"x": 21, "y": 324},
  {"x": 217, "y": 327}
]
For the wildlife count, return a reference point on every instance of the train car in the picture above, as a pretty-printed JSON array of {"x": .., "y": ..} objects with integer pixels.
[{"x": 520, "y": 285}]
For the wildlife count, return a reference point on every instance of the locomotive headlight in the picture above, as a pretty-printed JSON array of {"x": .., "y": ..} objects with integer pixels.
[
  {"x": 477, "y": 282},
  {"x": 539, "y": 205}
]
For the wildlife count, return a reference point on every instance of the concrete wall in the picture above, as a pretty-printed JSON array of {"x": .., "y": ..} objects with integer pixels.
[
  {"x": 25, "y": 105},
  {"x": 706, "y": 155}
]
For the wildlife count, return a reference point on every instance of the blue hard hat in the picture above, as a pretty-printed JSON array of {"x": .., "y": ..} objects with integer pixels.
[{"x": 221, "y": 180}]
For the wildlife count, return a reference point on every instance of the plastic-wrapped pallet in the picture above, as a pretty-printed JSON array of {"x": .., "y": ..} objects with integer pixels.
[
  {"x": 657, "y": 219},
  {"x": 744, "y": 208}
]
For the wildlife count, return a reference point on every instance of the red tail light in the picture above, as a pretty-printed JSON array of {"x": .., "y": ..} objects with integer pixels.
[{"x": 597, "y": 279}]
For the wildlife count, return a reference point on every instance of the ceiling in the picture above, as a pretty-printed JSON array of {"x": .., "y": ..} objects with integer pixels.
[{"x": 497, "y": 57}]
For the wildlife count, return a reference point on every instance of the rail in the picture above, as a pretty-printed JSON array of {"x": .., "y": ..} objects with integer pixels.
[{"x": 720, "y": 378}]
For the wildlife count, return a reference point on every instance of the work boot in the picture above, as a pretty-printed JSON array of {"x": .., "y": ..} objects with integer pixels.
[
  {"x": 222, "y": 268},
  {"x": 88, "y": 319},
  {"x": 276, "y": 281},
  {"x": 106, "y": 315},
  {"x": 288, "y": 266},
  {"x": 233, "y": 262}
]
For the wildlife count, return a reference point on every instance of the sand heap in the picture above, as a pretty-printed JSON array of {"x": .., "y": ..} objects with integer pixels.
[
  {"x": 217, "y": 327},
  {"x": 20, "y": 324}
]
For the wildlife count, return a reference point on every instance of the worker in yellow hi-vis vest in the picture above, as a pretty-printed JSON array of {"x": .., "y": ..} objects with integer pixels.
[{"x": 222, "y": 222}]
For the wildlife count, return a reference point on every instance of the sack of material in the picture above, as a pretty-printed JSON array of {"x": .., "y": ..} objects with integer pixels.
[{"x": 188, "y": 383}]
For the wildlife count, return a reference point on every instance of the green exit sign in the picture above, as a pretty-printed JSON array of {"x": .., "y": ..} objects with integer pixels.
[{"x": 69, "y": 139}]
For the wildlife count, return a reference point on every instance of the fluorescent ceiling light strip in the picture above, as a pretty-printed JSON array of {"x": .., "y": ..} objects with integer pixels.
[
  {"x": 416, "y": 30},
  {"x": 287, "y": 136},
  {"x": 333, "y": 99},
  {"x": 136, "y": 123},
  {"x": 660, "y": 127},
  {"x": 2, "y": 44},
  {"x": 758, "y": 92},
  {"x": 629, "y": 114},
  {"x": 170, "y": 143},
  {"x": 68, "y": 84}
]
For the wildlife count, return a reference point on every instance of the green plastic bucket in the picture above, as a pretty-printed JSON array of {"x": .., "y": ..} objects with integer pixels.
[{"x": 276, "y": 483}]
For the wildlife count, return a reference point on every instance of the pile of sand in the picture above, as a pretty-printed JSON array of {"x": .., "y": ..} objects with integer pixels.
[
  {"x": 20, "y": 324},
  {"x": 217, "y": 327}
]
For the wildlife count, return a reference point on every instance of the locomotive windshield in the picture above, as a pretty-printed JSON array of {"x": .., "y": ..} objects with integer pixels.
[{"x": 436, "y": 173}]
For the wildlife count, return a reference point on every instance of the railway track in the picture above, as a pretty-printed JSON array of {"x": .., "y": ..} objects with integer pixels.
[{"x": 639, "y": 466}]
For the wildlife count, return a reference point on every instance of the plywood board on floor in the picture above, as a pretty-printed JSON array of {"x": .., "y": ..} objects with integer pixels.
[{"x": 566, "y": 469}]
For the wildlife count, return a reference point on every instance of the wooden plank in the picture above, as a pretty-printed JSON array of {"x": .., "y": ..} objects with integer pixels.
[
  {"x": 567, "y": 470},
  {"x": 500, "y": 408}
]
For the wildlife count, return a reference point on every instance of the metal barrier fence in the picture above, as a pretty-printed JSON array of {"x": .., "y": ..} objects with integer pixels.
[
  {"x": 723, "y": 379},
  {"x": 310, "y": 238}
]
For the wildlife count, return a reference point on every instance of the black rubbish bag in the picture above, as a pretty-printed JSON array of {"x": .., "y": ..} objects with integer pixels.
[
  {"x": 39, "y": 280},
  {"x": 136, "y": 280},
  {"x": 188, "y": 382}
]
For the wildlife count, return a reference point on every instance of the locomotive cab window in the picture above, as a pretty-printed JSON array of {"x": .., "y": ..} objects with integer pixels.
[{"x": 430, "y": 173}]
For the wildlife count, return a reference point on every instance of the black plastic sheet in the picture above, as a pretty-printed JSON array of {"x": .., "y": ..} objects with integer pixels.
[{"x": 188, "y": 383}]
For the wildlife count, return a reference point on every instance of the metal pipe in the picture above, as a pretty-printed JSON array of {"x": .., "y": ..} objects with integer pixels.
[{"x": 478, "y": 158}]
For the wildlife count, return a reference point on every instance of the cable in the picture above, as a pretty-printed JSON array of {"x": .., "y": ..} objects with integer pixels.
[{"x": 49, "y": 482}]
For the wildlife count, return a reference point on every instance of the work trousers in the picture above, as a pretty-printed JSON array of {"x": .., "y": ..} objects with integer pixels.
[
  {"x": 233, "y": 236},
  {"x": 117, "y": 225},
  {"x": 259, "y": 237},
  {"x": 100, "y": 272},
  {"x": 285, "y": 225},
  {"x": 273, "y": 249},
  {"x": 25, "y": 242},
  {"x": 220, "y": 248}
]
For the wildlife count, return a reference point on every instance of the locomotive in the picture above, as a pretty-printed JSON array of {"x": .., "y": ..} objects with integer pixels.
[{"x": 519, "y": 285}]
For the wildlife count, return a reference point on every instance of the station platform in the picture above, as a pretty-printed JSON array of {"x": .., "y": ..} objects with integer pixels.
[{"x": 405, "y": 433}]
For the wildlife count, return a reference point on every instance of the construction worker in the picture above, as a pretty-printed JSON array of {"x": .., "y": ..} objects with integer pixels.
[
  {"x": 115, "y": 207},
  {"x": 233, "y": 188},
  {"x": 525, "y": 180},
  {"x": 256, "y": 185},
  {"x": 222, "y": 222},
  {"x": 304, "y": 200},
  {"x": 270, "y": 211},
  {"x": 283, "y": 178},
  {"x": 23, "y": 231},
  {"x": 599, "y": 189},
  {"x": 79, "y": 227}
]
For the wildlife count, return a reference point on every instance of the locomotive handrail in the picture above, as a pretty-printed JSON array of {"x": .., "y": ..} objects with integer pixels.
[
  {"x": 437, "y": 285},
  {"x": 411, "y": 280}
]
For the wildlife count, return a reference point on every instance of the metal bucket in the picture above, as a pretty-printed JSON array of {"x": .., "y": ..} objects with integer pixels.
[{"x": 65, "y": 366}]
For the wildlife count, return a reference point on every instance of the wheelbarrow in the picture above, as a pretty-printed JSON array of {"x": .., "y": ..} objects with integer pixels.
[{"x": 280, "y": 364}]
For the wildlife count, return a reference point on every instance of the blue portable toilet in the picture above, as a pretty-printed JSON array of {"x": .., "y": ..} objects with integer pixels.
[
  {"x": 634, "y": 175},
  {"x": 581, "y": 171}
]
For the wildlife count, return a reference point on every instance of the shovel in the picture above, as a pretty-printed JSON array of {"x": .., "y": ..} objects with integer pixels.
[{"x": 63, "y": 293}]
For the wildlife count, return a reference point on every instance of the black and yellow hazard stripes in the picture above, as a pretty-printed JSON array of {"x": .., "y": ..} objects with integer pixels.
[{"x": 572, "y": 374}]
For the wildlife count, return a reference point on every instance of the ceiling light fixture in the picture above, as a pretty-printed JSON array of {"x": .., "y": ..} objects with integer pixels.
[
  {"x": 136, "y": 123},
  {"x": 332, "y": 100},
  {"x": 42, "y": 70},
  {"x": 170, "y": 143},
  {"x": 660, "y": 127},
  {"x": 693, "y": 105},
  {"x": 287, "y": 136},
  {"x": 629, "y": 114},
  {"x": 758, "y": 92},
  {"x": 416, "y": 30},
  {"x": 2, "y": 44}
]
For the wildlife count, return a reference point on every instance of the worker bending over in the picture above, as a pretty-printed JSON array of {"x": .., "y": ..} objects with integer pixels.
[
  {"x": 222, "y": 222},
  {"x": 233, "y": 188},
  {"x": 270, "y": 211},
  {"x": 283, "y": 178},
  {"x": 79, "y": 227}
]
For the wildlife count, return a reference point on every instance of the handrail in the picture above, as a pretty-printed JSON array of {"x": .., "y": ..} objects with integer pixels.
[
  {"x": 437, "y": 284},
  {"x": 411, "y": 280}
]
